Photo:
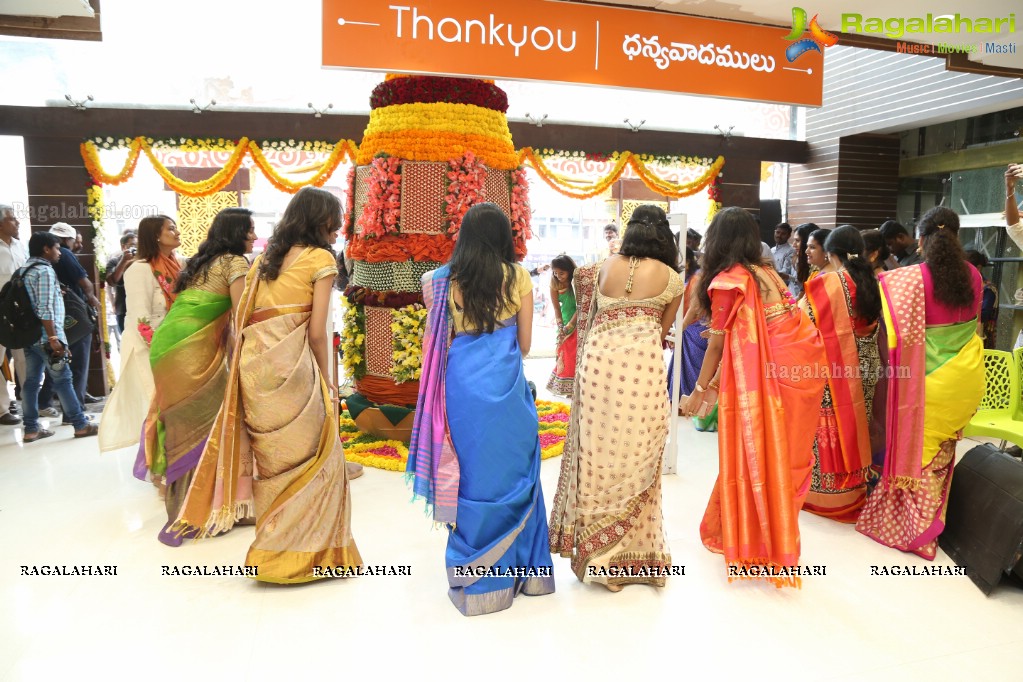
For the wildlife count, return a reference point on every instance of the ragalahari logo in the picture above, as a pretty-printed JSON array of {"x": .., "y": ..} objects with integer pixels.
[{"x": 818, "y": 36}]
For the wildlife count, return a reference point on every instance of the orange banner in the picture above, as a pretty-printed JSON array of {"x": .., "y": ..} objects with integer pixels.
[{"x": 572, "y": 43}]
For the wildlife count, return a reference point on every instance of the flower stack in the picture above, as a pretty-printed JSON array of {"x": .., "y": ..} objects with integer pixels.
[{"x": 433, "y": 148}]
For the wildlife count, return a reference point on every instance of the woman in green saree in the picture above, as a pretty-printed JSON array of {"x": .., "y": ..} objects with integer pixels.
[{"x": 188, "y": 355}]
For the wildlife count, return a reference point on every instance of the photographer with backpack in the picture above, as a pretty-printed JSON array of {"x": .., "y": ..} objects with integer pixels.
[{"x": 51, "y": 352}]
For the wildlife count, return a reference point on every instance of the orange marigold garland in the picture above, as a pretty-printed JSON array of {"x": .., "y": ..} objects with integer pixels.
[{"x": 90, "y": 155}]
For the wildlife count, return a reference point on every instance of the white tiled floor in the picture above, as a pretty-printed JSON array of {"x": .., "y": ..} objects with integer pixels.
[{"x": 63, "y": 503}]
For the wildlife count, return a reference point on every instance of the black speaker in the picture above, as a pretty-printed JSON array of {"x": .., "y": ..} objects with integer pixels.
[
  {"x": 770, "y": 216},
  {"x": 984, "y": 519}
]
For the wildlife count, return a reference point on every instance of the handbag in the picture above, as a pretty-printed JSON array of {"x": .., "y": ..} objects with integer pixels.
[{"x": 78, "y": 322}]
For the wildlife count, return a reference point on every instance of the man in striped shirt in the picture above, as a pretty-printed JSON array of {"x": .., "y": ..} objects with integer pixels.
[{"x": 44, "y": 292}]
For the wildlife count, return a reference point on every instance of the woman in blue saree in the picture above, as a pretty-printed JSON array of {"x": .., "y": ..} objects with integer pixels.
[{"x": 475, "y": 450}]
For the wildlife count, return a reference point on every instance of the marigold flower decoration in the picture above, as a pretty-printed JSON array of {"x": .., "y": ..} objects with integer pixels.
[{"x": 520, "y": 210}]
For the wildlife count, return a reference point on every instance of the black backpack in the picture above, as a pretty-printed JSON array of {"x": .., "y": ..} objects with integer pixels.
[{"x": 19, "y": 325}]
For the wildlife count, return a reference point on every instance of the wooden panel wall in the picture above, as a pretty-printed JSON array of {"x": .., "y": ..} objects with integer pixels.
[
  {"x": 57, "y": 181},
  {"x": 868, "y": 180}
]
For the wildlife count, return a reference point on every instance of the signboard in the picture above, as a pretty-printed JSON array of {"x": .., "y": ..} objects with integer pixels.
[{"x": 572, "y": 43}]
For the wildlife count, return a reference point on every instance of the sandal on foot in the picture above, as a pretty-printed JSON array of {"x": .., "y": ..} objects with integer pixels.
[
  {"x": 89, "y": 430},
  {"x": 33, "y": 437}
]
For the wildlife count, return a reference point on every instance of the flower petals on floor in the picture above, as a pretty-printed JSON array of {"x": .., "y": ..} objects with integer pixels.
[{"x": 392, "y": 455}]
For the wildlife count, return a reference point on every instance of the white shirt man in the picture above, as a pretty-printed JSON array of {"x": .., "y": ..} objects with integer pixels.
[{"x": 12, "y": 256}]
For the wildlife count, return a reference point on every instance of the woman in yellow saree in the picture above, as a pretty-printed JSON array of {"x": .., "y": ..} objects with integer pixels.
[
  {"x": 766, "y": 359},
  {"x": 188, "y": 356},
  {"x": 935, "y": 383},
  {"x": 278, "y": 412},
  {"x": 845, "y": 305}
]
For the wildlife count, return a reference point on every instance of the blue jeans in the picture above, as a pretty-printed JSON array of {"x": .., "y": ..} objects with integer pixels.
[
  {"x": 80, "y": 354},
  {"x": 37, "y": 360}
]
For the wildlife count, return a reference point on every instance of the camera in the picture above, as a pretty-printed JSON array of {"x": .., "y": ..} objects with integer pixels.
[{"x": 133, "y": 251}]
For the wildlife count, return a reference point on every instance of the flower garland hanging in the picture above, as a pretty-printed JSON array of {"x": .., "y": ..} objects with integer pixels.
[
  {"x": 353, "y": 338},
  {"x": 466, "y": 178},
  {"x": 382, "y": 212},
  {"x": 520, "y": 211},
  {"x": 580, "y": 189},
  {"x": 407, "y": 339},
  {"x": 90, "y": 155},
  {"x": 340, "y": 151},
  {"x": 96, "y": 208}
]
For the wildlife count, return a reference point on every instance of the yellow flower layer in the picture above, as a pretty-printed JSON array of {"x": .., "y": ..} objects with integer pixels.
[
  {"x": 441, "y": 118},
  {"x": 425, "y": 145}
]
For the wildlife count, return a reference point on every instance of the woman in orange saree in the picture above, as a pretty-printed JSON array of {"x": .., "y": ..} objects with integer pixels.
[
  {"x": 763, "y": 367},
  {"x": 936, "y": 383},
  {"x": 845, "y": 305},
  {"x": 278, "y": 412}
]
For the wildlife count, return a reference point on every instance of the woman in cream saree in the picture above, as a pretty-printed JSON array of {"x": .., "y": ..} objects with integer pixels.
[
  {"x": 278, "y": 413},
  {"x": 607, "y": 514},
  {"x": 936, "y": 383}
]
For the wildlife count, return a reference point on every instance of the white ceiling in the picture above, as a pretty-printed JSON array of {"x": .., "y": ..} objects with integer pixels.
[
  {"x": 779, "y": 13},
  {"x": 46, "y": 8}
]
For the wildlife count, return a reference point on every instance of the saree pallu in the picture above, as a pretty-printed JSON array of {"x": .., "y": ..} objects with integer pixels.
[
  {"x": 841, "y": 448},
  {"x": 278, "y": 416},
  {"x": 498, "y": 547},
  {"x": 622, "y": 413},
  {"x": 770, "y": 381},
  {"x": 936, "y": 384},
  {"x": 188, "y": 358}
]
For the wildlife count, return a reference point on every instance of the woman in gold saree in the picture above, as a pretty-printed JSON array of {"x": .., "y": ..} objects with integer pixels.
[
  {"x": 766, "y": 359},
  {"x": 845, "y": 305},
  {"x": 188, "y": 356},
  {"x": 607, "y": 513},
  {"x": 935, "y": 383},
  {"x": 278, "y": 412}
]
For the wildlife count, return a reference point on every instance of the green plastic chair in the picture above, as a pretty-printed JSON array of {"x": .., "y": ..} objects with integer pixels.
[{"x": 1000, "y": 410}]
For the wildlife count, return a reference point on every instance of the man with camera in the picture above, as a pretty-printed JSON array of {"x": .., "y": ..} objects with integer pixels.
[
  {"x": 51, "y": 354},
  {"x": 75, "y": 280},
  {"x": 116, "y": 267}
]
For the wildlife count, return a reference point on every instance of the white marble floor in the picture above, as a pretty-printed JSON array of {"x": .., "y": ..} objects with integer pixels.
[{"x": 62, "y": 503}]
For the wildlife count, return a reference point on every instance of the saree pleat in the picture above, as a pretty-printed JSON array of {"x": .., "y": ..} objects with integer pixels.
[
  {"x": 841, "y": 447},
  {"x": 765, "y": 450},
  {"x": 936, "y": 385},
  {"x": 278, "y": 417},
  {"x": 188, "y": 357},
  {"x": 502, "y": 522}
]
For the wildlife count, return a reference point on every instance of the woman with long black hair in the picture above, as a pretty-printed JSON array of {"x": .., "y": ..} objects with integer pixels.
[
  {"x": 475, "y": 451},
  {"x": 845, "y": 305},
  {"x": 188, "y": 356},
  {"x": 931, "y": 315},
  {"x": 800, "y": 243},
  {"x": 278, "y": 412},
  {"x": 607, "y": 514},
  {"x": 762, "y": 368}
]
